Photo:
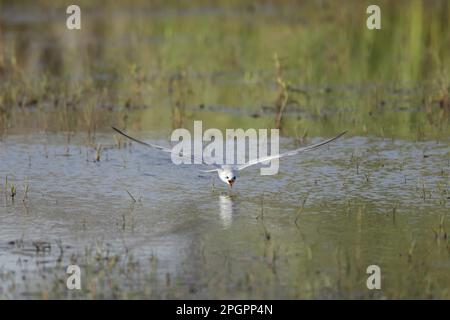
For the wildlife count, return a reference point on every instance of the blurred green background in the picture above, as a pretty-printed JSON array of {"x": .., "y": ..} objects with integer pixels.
[{"x": 308, "y": 67}]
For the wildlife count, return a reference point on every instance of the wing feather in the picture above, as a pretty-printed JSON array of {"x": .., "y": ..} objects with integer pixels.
[
  {"x": 289, "y": 153},
  {"x": 155, "y": 146}
]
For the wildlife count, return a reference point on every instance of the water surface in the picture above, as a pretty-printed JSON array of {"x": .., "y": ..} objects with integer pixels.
[{"x": 368, "y": 201}]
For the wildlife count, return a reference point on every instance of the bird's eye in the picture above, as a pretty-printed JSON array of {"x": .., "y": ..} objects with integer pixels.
[
  {"x": 234, "y": 178},
  {"x": 227, "y": 177}
]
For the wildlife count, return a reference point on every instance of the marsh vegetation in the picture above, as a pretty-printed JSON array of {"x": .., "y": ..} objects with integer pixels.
[{"x": 74, "y": 192}]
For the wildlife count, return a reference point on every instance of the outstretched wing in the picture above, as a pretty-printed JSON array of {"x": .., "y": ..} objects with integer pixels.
[
  {"x": 142, "y": 142},
  {"x": 155, "y": 146},
  {"x": 289, "y": 153}
]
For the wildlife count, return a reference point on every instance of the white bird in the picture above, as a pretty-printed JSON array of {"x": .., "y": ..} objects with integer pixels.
[{"x": 229, "y": 173}]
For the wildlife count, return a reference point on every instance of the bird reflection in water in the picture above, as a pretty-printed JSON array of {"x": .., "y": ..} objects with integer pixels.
[{"x": 227, "y": 209}]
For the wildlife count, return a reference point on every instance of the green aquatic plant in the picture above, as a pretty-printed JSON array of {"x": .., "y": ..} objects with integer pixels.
[
  {"x": 13, "y": 191},
  {"x": 282, "y": 95},
  {"x": 10, "y": 188},
  {"x": 25, "y": 193},
  {"x": 98, "y": 152}
]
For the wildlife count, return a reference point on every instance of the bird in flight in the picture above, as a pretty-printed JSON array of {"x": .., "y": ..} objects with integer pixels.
[{"x": 229, "y": 173}]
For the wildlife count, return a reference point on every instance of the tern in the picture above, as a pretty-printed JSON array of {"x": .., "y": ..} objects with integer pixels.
[{"x": 229, "y": 173}]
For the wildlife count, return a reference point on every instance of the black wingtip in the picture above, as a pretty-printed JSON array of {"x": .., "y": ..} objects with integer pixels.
[{"x": 119, "y": 131}]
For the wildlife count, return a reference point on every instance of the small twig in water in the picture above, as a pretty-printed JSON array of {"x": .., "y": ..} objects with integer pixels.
[{"x": 131, "y": 196}]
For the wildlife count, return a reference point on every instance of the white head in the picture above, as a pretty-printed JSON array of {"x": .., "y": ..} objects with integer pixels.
[{"x": 228, "y": 175}]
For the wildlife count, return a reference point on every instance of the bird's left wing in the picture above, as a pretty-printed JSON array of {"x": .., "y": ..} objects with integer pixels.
[{"x": 289, "y": 153}]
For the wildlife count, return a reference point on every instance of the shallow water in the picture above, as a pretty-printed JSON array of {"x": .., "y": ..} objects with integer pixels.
[
  {"x": 368, "y": 201},
  {"x": 140, "y": 227}
]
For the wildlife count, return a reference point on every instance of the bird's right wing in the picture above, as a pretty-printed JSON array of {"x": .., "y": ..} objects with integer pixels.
[
  {"x": 289, "y": 153},
  {"x": 155, "y": 146}
]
